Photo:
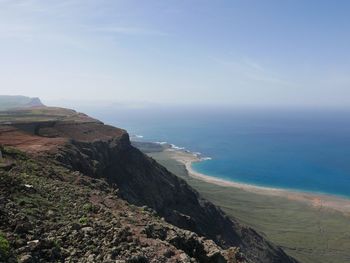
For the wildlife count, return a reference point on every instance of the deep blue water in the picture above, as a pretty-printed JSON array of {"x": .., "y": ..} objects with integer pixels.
[{"x": 293, "y": 149}]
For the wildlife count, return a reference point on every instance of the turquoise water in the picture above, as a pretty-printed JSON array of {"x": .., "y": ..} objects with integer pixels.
[{"x": 292, "y": 149}]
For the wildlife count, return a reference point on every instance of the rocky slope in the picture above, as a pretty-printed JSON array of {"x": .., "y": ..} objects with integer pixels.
[
  {"x": 50, "y": 214},
  {"x": 86, "y": 148}
]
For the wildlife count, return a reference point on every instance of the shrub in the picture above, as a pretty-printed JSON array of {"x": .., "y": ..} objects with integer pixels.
[
  {"x": 4, "y": 246},
  {"x": 83, "y": 220},
  {"x": 87, "y": 207}
]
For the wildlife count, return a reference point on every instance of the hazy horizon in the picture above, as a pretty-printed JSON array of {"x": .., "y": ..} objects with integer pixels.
[{"x": 230, "y": 53}]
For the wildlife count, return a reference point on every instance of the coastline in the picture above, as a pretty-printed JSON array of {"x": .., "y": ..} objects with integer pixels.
[
  {"x": 309, "y": 226},
  {"x": 317, "y": 201}
]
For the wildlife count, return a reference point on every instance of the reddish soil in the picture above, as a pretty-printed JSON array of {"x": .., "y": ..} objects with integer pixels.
[
  {"x": 11, "y": 136},
  {"x": 24, "y": 131}
]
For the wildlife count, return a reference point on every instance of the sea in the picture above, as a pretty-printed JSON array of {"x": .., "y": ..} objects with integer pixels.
[{"x": 296, "y": 149}]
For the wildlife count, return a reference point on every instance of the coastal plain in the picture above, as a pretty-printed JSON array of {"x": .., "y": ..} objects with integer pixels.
[{"x": 311, "y": 228}]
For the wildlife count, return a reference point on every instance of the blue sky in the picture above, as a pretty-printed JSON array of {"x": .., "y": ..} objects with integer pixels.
[{"x": 255, "y": 53}]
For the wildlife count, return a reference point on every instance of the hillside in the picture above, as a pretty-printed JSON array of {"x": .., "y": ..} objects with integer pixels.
[
  {"x": 71, "y": 177},
  {"x": 14, "y": 102}
]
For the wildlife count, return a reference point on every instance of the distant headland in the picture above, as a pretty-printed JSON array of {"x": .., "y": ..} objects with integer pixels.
[{"x": 9, "y": 102}]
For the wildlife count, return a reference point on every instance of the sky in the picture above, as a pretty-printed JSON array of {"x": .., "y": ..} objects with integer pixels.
[{"x": 197, "y": 52}]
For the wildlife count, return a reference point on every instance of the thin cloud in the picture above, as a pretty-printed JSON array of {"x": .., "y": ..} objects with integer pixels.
[
  {"x": 253, "y": 64},
  {"x": 24, "y": 32},
  {"x": 251, "y": 71},
  {"x": 129, "y": 31},
  {"x": 27, "y": 5}
]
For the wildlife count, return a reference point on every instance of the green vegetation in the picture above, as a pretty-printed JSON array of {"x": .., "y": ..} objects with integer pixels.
[
  {"x": 83, "y": 220},
  {"x": 40, "y": 114},
  {"x": 308, "y": 234},
  {"x": 57, "y": 244},
  {"x": 4, "y": 246},
  {"x": 87, "y": 207},
  {"x": 32, "y": 203},
  {"x": 13, "y": 152}
]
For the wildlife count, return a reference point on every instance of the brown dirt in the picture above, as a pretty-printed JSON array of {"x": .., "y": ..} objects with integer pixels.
[{"x": 11, "y": 136}]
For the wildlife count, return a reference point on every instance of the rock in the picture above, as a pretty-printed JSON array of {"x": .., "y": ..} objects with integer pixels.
[
  {"x": 138, "y": 259},
  {"x": 184, "y": 258},
  {"x": 23, "y": 228},
  {"x": 91, "y": 258},
  {"x": 25, "y": 259},
  {"x": 75, "y": 226},
  {"x": 33, "y": 244},
  {"x": 87, "y": 229},
  {"x": 55, "y": 252},
  {"x": 50, "y": 213},
  {"x": 168, "y": 253},
  {"x": 73, "y": 252},
  {"x": 20, "y": 242}
]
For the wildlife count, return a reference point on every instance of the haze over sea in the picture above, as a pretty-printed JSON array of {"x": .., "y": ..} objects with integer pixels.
[{"x": 305, "y": 150}]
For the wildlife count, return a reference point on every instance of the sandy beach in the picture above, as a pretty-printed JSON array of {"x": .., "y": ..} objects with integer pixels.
[{"x": 318, "y": 201}]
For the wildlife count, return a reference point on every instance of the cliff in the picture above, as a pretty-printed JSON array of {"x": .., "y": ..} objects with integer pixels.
[{"x": 79, "y": 144}]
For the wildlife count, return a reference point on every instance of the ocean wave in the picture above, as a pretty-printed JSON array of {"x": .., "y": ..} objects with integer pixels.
[
  {"x": 173, "y": 146},
  {"x": 161, "y": 143},
  {"x": 196, "y": 154},
  {"x": 135, "y": 136},
  {"x": 205, "y": 158}
]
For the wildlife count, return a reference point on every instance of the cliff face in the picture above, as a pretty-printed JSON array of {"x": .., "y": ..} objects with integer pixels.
[{"x": 104, "y": 152}]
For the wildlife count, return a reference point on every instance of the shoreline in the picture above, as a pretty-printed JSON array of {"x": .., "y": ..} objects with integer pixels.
[{"x": 318, "y": 201}]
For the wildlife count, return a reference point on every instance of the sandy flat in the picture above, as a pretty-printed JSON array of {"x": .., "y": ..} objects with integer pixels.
[{"x": 319, "y": 201}]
